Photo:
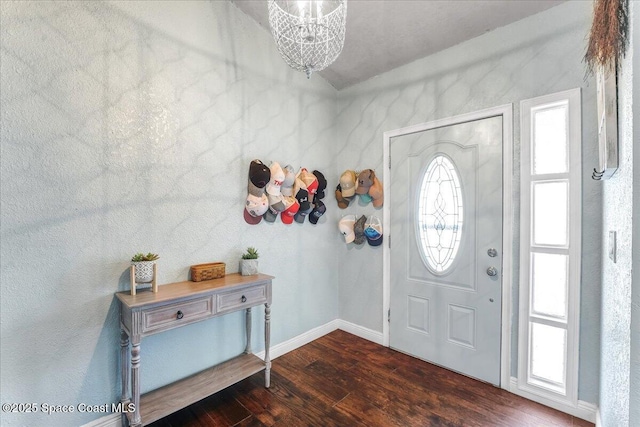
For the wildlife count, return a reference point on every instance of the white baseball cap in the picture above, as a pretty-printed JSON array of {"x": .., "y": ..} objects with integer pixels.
[
  {"x": 346, "y": 228},
  {"x": 255, "y": 207},
  {"x": 277, "y": 177}
]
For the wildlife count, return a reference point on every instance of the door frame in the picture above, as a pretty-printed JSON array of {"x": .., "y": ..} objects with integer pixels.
[{"x": 506, "y": 111}]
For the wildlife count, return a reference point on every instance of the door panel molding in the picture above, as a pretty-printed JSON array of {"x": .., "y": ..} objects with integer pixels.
[{"x": 506, "y": 111}]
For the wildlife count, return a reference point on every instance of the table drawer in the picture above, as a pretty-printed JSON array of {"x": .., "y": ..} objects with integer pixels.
[
  {"x": 175, "y": 315},
  {"x": 242, "y": 298}
]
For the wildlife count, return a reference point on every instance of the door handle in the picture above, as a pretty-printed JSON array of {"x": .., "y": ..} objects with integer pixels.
[{"x": 492, "y": 271}]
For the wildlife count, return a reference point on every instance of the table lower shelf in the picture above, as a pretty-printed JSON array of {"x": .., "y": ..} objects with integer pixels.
[{"x": 168, "y": 399}]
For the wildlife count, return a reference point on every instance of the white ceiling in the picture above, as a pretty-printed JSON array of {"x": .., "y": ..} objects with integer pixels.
[{"x": 384, "y": 34}]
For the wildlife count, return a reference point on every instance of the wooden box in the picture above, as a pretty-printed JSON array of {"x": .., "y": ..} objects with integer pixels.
[{"x": 212, "y": 270}]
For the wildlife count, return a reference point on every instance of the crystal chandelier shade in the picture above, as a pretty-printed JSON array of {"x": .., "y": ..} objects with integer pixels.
[{"x": 309, "y": 34}]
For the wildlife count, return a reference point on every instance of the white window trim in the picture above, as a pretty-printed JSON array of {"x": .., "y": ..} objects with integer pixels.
[{"x": 573, "y": 99}]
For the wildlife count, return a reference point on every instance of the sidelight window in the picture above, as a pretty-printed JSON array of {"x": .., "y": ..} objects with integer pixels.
[{"x": 550, "y": 246}]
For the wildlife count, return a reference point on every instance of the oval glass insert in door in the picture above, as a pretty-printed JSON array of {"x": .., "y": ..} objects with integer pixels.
[{"x": 440, "y": 215}]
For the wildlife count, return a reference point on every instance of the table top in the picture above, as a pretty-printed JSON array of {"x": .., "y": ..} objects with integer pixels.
[{"x": 176, "y": 290}]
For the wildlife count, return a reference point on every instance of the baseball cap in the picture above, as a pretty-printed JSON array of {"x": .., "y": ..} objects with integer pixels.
[
  {"x": 252, "y": 220},
  {"x": 310, "y": 181},
  {"x": 302, "y": 195},
  {"x": 302, "y": 214},
  {"x": 292, "y": 207},
  {"x": 318, "y": 210},
  {"x": 358, "y": 229},
  {"x": 373, "y": 230},
  {"x": 277, "y": 176},
  {"x": 376, "y": 193},
  {"x": 322, "y": 184},
  {"x": 276, "y": 202},
  {"x": 255, "y": 207},
  {"x": 348, "y": 183},
  {"x": 365, "y": 198},
  {"x": 343, "y": 202},
  {"x": 365, "y": 181},
  {"x": 270, "y": 215},
  {"x": 346, "y": 225},
  {"x": 289, "y": 180},
  {"x": 259, "y": 176}
]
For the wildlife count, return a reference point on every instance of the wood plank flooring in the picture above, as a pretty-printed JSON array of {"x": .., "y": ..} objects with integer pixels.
[{"x": 342, "y": 380}]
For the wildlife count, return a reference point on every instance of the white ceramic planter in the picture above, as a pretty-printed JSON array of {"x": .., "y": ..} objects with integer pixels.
[
  {"x": 248, "y": 267},
  {"x": 144, "y": 271}
]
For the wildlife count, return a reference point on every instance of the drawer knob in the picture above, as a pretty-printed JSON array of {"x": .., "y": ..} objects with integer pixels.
[
  {"x": 180, "y": 314},
  {"x": 243, "y": 299}
]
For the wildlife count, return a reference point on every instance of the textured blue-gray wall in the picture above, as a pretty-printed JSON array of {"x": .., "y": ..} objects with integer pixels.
[
  {"x": 634, "y": 399},
  {"x": 129, "y": 127},
  {"x": 617, "y": 286},
  {"x": 620, "y": 351}
]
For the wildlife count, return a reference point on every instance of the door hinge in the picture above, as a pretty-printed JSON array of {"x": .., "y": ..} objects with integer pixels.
[
  {"x": 389, "y": 240},
  {"x": 389, "y": 161},
  {"x": 389, "y": 316}
]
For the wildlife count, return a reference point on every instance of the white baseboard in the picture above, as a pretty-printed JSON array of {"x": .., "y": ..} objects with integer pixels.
[
  {"x": 285, "y": 347},
  {"x": 598, "y": 418},
  {"x": 315, "y": 333},
  {"x": 589, "y": 409},
  {"x": 361, "y": 331},
  {"x": 111, "y": 420},
  {"x": 584, "y": 410}
]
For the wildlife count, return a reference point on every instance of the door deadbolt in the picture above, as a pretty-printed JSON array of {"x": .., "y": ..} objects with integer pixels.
[{"x": 492, "y": 252}]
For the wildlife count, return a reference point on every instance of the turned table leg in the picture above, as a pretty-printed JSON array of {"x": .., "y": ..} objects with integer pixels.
[
  {"x": 267, "y": 339},
  {"x": 124, "y": 371},
  {"x": 247, "y": 350},
  {"x": 135, "y": 380}
]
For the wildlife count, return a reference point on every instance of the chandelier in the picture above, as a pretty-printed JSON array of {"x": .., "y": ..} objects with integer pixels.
[{"x": 309, "y": 34}]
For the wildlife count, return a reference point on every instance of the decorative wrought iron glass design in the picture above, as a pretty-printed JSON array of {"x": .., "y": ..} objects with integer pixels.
[
  {"x": 440, "y": 214},
  {"x": 309, "y": 34}
]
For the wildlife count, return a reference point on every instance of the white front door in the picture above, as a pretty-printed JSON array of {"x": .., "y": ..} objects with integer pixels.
[{"x": 446, "y": 252}]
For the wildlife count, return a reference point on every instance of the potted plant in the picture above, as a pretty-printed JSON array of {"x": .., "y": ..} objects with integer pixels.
[
  {"x": 144, "y": 266},
  {"x": 249, "y": 262}
]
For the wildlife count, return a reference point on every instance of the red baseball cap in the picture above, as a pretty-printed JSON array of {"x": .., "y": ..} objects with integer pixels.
[{"x": 292, "y": 208}]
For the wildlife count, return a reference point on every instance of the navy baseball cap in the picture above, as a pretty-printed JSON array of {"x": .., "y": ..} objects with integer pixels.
[
  {"x": 373, "y": 230},
  {"x": 317, "y": 212}
]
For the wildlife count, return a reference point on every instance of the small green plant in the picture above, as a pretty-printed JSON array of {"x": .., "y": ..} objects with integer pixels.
[
  {"x": 142, "y": 257},
  {"x": 252, "y": 253}
]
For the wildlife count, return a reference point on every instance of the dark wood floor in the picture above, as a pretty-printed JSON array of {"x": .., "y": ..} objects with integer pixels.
[{"x": 343, "y": 380}]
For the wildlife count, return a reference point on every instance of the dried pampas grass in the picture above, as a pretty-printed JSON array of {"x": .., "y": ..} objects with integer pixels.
[{"x": 609, "y": 35}]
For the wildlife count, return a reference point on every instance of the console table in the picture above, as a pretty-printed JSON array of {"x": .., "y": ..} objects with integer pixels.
[{"x": 180, "y": 304}]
